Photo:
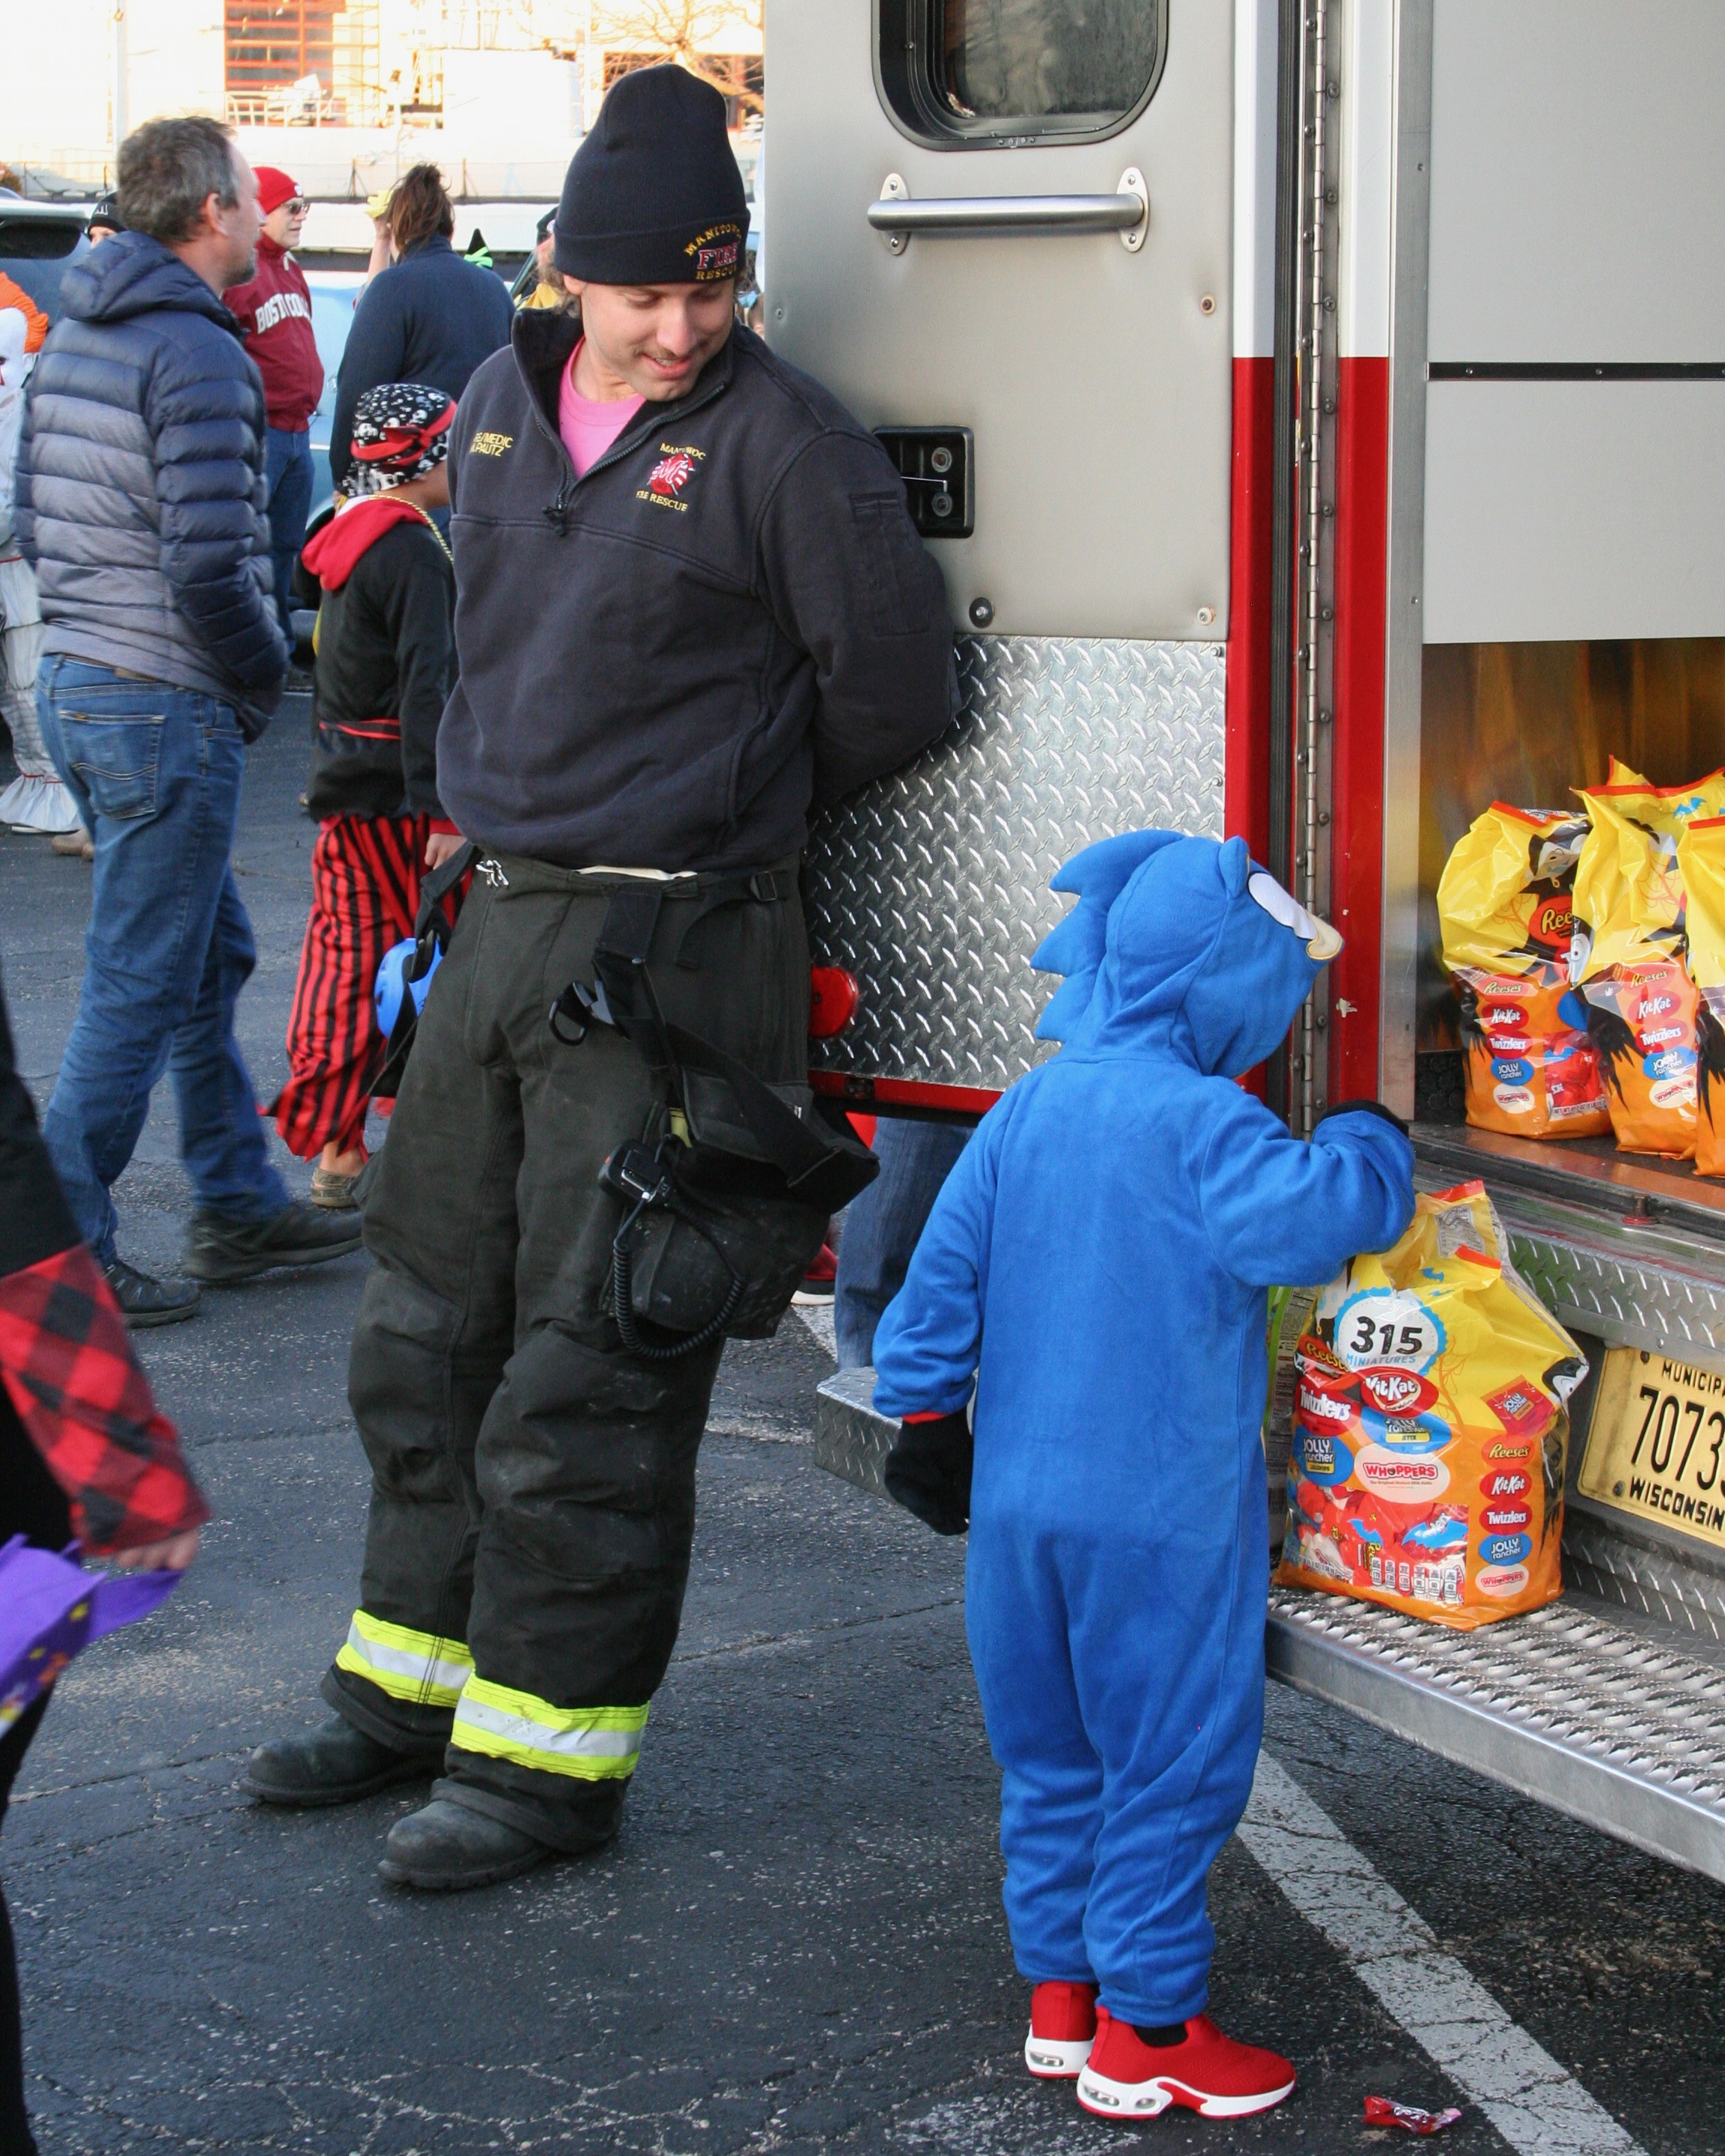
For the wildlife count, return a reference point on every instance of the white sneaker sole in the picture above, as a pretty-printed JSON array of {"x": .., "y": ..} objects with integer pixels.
[
  {"x": 1109, "y": 2099},
  {"x": 1051, "y": 2060}
]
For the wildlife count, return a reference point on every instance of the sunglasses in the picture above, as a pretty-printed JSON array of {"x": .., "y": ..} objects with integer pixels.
[{"x": 296, "y": 205}]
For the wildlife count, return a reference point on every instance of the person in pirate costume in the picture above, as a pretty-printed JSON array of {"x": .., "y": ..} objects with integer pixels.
[
  {"x": 385, "y": 656},
  {"x": 691, "y": 604}
]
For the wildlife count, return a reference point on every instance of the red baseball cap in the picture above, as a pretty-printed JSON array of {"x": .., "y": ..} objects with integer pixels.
[{"x": 274, "y": 187}]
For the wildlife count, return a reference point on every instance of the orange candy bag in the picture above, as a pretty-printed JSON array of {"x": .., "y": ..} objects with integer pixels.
[
  {"x": 1629, "y": 956},
  {"x": 1504, "y": 909},
  {"x": 1430, "y": 1429}
]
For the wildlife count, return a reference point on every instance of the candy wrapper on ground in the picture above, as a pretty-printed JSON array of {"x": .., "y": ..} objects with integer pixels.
[
  {"x": 1503, "y": 906},
  {"x": 1384, "y": 2111},
  {"x": 1630, "y": 955},
  {"x": 1701, "y": 863},
  {"x": 50, "y": 1610},
  {"x": 1430, "y": 1429}
]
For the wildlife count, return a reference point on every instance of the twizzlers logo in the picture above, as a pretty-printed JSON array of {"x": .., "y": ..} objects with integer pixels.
[{"x": 678, "y": 464}]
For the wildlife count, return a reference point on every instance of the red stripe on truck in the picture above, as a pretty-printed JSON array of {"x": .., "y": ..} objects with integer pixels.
[
  {"x": 1357, "y": 852},
  {"x": 1246, "y": 753}
]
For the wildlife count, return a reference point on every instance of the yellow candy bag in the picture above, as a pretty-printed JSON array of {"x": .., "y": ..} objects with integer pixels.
[
  {"x": 1430, "y": 1429},
  {"x": 1701, "y": 863},
  {"x": 1504, "y": 909},
  {"x": 1628, "y": 954}
]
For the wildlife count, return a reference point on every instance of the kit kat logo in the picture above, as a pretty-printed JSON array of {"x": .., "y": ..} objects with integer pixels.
[
  {"x": 715, "y": 251},
  {"x": 1395, "y": 1392}
]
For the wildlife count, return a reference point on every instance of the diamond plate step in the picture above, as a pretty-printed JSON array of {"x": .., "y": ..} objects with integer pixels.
[
  {"x": 1567, "y": 1705},
  {"x": 1596, "y": 1714}
]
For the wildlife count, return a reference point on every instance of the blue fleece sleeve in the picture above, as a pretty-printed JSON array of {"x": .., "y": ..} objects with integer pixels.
[
  {"x": 929, "y": 1339},
  {"x": 1286, "y": 1212}
]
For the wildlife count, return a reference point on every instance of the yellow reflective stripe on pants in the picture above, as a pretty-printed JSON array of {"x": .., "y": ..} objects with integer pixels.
[
  {"x": 407, "y": 1665},
  {"x": 590, "y": 1743}
]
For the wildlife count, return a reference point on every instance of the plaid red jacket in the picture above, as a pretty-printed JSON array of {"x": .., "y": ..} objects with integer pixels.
[{"x": 86, "y": 1402}]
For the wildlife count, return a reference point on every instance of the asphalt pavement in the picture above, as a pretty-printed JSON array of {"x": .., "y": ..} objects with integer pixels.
[{"x": 797, "y": 1943}]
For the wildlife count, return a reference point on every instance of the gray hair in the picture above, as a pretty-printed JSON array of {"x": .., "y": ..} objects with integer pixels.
[{"x": 168, "y": 170}]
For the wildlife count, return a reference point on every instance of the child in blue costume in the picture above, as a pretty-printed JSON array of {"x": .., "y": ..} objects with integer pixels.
[{"x": 1096, "y": 1267}]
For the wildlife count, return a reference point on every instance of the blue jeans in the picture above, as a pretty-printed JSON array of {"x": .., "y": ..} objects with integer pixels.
[
  {"x": 288, "y": 470},
  {"x": 882, "y": 1227},
  {"x": 156, "y": 773}
]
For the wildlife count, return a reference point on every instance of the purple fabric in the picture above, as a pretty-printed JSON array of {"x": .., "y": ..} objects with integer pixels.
[{"x": 50, "y": 1609}]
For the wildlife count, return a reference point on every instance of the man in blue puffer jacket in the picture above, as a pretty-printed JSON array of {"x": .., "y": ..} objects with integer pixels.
[
  {"x": 140, "y": 505},
  {"x": 1095, "y": 1265}
]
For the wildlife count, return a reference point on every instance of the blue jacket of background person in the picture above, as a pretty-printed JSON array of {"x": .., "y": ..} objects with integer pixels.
[
  {"x": 1097, "y": 1265},
  {"x": 430, "y": 317},
  {"x": 141, "y": 485}
]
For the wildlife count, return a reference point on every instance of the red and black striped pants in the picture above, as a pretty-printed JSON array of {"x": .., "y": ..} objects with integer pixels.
[{"x": 365, "y": 891}]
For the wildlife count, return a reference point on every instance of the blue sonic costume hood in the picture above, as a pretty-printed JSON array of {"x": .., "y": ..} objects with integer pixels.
[{"x": 1095, "y": 1271}]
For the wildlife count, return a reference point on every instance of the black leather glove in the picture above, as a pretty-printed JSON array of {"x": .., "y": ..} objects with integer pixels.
[
  {"x": 928, "y": 1471},
  {"x": 1360, "y": 1108}
]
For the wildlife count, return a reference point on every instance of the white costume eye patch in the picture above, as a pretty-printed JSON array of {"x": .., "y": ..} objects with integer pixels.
[{"x": 1321, "y": 941}]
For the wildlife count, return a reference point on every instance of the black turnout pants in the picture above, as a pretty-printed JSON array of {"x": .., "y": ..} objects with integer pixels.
[{"x": 533, "y": 1483}]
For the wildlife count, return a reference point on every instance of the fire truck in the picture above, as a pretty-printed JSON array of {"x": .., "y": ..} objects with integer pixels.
[{"x": 1318, "y": 408}]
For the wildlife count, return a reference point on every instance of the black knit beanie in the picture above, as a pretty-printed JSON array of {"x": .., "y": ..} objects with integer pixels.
[{"x": 653, "y": 196}]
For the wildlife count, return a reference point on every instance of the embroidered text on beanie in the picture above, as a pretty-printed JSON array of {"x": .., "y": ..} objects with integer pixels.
[{"x": 653, "y": 196}]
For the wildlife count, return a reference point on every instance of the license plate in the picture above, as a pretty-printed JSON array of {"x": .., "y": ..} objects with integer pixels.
[{"x": 1656, "y": 1448}]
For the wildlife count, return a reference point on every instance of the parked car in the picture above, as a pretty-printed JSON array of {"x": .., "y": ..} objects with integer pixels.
[{"x": 39, "y": 242}]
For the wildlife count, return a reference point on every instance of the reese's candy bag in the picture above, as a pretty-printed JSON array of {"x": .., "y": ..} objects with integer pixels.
[
  {"x": 1503, "y": 907},
  {"x": 1430, "y": 1428},
  {"x": 1628, "y": 954},
  {"x": 1701, "y": 863}
]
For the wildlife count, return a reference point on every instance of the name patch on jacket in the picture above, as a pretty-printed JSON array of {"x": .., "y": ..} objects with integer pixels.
[
  {"x": 277, "y": 308},
  {"x": 676, "y": 466},
  {"x": 490, "y": 445},
  {"x": 714, "y": 251}
]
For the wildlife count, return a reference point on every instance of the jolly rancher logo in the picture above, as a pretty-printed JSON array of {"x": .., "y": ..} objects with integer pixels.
[
  {"x": 715, "y": 251},
  {"x": 676, "y": 466}
]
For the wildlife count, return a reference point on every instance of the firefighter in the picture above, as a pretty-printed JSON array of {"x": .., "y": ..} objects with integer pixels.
[{"x": 689, "y": 603}]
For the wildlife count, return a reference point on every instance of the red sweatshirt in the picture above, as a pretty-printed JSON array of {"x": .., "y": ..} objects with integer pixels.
[{"x": 273, "y": 308}]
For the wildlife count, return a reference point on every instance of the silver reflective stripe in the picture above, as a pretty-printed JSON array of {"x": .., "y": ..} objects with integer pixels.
[
  {"x": 416, "y": 1669},
  {"x": 535, "y": 1737}
]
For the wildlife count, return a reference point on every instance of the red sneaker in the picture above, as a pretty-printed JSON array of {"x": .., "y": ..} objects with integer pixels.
[
  {"x": 1208, "y": 2073},
  {"x": 820, "y": 1279},
  {"x": 1063, "y": 2025}
]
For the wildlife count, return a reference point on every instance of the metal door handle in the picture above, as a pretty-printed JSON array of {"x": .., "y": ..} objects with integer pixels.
[{"x": 897, "y": 216}]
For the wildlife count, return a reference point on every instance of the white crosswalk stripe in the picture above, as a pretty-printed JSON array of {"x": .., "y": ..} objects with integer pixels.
[{"x": 1538, "y": 2106}]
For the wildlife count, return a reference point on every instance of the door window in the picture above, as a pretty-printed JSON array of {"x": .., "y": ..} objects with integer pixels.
[{"x": 985, "y": 72}]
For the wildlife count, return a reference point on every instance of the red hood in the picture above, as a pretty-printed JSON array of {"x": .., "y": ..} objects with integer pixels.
[{"x": 332, "y": 555}]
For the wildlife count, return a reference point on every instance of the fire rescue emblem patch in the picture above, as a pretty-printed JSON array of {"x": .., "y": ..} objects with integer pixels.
[
  {"x": 678, "y": 464},
  {"x": 715, "y": 251}
]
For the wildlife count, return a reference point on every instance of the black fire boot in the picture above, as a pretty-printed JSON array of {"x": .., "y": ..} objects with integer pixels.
[
  {"x": 338, "y": 1765},
  {"x": 220, "y": 1250},
  {"x": 447, "y": 1845}
]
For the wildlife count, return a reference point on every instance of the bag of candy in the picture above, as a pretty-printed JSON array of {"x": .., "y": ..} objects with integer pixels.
[
  {"x": 1628, "y": 954},
  {"x": 1504, "y": 909},
  {"x": 1430, "y": 1429},
  {"x": 1701, "y": 863}
]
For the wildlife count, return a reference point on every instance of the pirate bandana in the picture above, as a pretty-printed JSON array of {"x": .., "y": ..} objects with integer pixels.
[{"x": 401, "y": 431}]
